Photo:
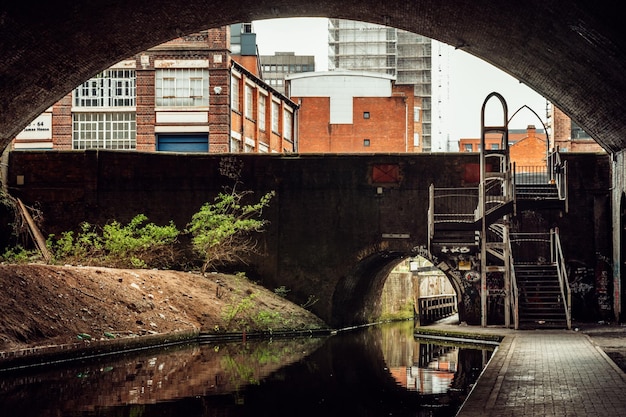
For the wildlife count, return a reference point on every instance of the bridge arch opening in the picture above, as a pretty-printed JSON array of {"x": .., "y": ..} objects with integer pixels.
[
  {"x": 51, "y": 60},
  {"x": 359, "y": 297}
]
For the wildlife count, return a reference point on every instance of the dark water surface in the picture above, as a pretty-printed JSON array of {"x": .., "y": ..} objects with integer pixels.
[{"x": 375, "y": 371}]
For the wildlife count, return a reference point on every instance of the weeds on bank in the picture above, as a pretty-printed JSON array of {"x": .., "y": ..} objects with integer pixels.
[
  {"x": 221, "y": 233},
  {"x": 18, "y": 255},
  {"x": 137, "y": 244}
]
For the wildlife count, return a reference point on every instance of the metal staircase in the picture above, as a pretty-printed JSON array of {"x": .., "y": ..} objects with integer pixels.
[
  {"x": 540, "y": 301},
  {"x": 543, "y": 294},
  {"x": 475, "y": 221}
]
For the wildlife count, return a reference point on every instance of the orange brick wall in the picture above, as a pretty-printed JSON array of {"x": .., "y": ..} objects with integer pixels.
[
  {"x": 529, "y": 152},
  {"x": 389, "y": 128},
  {"x": 561, "y": 129},
  {"x": 145, "y": 115},
  {"x": 315, "y": 128}
]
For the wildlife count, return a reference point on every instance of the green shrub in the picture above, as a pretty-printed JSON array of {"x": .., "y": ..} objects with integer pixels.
[
  {"x": 135, "y": 245},
  {"x": 240, "y": 311},
  {"x": 268, "y": 320},
  {"x": 18, "y": 255},
  {"x": 222, "y": 231},
  {"x": 281, "y": 291}
]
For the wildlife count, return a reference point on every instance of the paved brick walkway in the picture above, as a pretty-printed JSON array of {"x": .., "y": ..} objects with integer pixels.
[{"x": 548, "y": 373}]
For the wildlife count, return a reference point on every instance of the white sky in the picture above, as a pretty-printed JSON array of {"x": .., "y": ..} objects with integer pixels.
[{"x": 470, "y": 79}]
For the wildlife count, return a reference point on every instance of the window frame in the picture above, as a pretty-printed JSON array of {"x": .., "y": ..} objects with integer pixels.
[
  {"x": 262, "y": 111},
  {"x": 104, "y": 130},
  {"x": 181, "y": 87},
  {"x": 275, "y": 116},
  {"x": 287, "y": 124},
  {"x": 235, "y": 83},
  {"x": 114, "y": 87}
]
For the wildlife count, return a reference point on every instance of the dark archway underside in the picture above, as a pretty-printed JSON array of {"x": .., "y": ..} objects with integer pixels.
[{"x": 573, "y": 52}]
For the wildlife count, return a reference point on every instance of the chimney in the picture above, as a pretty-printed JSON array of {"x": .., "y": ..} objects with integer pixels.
[{"x": 531, "y": 131}]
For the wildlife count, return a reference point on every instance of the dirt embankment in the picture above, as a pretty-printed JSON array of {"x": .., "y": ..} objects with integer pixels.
[{"x": 44, "y": 305}]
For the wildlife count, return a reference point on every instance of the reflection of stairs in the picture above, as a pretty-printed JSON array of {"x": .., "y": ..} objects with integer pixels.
[{"x": 540, "y": 301}]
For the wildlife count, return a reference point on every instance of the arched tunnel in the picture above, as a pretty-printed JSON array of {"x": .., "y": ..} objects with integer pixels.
[
  {"x": 571, "y": 52},
  {"x": 357, "y": 297}
]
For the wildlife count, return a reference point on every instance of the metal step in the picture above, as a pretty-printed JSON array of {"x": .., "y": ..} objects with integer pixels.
[{"x": 540, "y": 299}]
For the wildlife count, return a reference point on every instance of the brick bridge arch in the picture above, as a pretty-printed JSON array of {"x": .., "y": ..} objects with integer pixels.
[
  {"x": 573, "y": 52},
  {"x": 335, "y": 232}
]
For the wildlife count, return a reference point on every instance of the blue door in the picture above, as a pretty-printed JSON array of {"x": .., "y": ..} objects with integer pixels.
[{"x": 196, "y": 142}]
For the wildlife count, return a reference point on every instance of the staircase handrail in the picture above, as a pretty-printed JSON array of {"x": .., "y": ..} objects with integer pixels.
[
  {"x": 431, "y": 213},
  {"x": 514, "y": 289},
  {"x": 463, "y": 202},
  {"x": 559, "y": 260},
  {"x": 558, "y": 175}
]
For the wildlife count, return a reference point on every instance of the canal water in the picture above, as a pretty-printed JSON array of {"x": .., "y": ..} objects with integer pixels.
[{"x": 375, "y": 371}]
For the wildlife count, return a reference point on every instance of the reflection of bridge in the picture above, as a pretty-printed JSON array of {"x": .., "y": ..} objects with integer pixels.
[{"x": 435, "y": 371}]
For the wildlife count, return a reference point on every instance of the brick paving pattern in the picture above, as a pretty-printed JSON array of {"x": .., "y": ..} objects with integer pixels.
[{"x": 548, "y": 373}]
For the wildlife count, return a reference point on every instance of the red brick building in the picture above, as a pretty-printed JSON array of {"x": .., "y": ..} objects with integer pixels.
[
  {"x": 492, "y": 141},
  {"x": 186, "y": 95},
  {"x": 567, "y": 135},
  {"x": 352, "y": 112},
  {"x": 527, "y": 148},
  {"x": 529, "y": 152}
]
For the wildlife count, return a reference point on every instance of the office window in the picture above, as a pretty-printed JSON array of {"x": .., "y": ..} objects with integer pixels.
[
  {"x": 366, "y": 115},
  {"x": 262, "y": 110},
  {"x": 275, "y": 116},
  {"x": 182, "y": 87},
  {"x": 416, "y": 114},
  {"x": 234, "y": 93},
  {"x": 249, "y": 101},
  {"x": 366, "y": 142},
  {"x": 494, "y": 146},
  {"x": 287, "y": 124},
  {"x": 468, "y": 147},
  {"x": 104, "y": 131},
  {"x": 235, "y": 145},
  {"x": 416, "y": 139},
  {"x": 110, "y": 88}
]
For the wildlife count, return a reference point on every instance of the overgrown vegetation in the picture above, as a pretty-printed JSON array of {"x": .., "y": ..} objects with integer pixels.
[
  {"x": 222, "y": 232},
  {"x": 137, "y": 244},
  {"x": 18, "y": 255}
]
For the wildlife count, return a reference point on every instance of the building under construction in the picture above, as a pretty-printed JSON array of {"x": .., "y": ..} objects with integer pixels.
[{"x": 364, "y": 46}]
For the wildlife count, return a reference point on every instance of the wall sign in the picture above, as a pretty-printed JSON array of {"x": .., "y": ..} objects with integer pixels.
[{"x": 40, "y": 128}]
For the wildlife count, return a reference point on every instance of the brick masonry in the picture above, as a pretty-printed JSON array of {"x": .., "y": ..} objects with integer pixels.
[{"x": 334, "y": 233}]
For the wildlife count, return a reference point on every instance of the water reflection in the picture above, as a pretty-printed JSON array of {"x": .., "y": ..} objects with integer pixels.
[{"x": 376, "y": 371}]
